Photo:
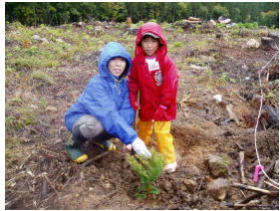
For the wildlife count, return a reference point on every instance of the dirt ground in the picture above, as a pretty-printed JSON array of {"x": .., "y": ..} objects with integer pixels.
[{"x": 46, "y": 179}]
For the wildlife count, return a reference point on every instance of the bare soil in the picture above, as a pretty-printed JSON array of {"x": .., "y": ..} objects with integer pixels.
[{"x": 44, "y": 178}]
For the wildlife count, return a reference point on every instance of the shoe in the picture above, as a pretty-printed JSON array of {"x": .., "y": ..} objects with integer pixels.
[
  {"x": 74, "y": 152},
  {"x": 171, "y": 167},
  {"x": 107, "y": 145}
]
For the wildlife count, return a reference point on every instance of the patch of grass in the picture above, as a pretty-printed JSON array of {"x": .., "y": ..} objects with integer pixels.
[
  {"x": 165, "y": 25},
  {"x": 195, "y": 60},
  {"x": 31, "y": 51},
  {"x": 11, "y": 142},
  {"x": 16, "y": 101},
  {"x": 107, "y": 38},
  {"x": 32, "y": 62},
  {"x": 253, "y": 25},
  {"x": 13, "y": 124},
  {"x": 41, "y": 76},
  {"x": 225, "y": 78},
  {"x": 201, "y": 45},
  {"x": 89, "y": 27},
  {"x": 27, "y": 116},
  {"x": 177, "y": 44},
  {"x": 9, "y": 70},
  {"x": 178, "y": 29},
  {"x": 43, "y": 102},
  {"x": 221, "y": 25}
]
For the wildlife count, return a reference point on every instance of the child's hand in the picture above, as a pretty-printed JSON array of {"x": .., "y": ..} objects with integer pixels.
[{"x": 140, "y": 148}]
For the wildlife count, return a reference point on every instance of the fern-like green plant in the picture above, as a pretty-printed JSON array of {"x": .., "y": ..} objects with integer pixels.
[{"x": 148, "y": 171}]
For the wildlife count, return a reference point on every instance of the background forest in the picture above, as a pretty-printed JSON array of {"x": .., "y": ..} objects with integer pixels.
[{"x": 57, "y": 13}]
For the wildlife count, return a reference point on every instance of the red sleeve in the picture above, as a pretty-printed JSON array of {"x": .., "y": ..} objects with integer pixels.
[
  {"x": 133, "y": 86},
  {"x": 169, "y": 83}
]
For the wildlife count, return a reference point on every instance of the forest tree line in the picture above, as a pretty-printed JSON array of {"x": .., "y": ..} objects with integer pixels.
[{"x": 57, "y": 13}]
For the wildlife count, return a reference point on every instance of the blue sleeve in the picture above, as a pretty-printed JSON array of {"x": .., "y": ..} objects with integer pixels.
[
  {"x": 126, "y": 111},
  {"x": 98, "y": 103}
]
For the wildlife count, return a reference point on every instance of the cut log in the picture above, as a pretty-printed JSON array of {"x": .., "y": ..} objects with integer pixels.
[
  {"x": 274, "y": 36},
  {"x": 194, "y": 19},
  {"x": 193, "y": 22}
]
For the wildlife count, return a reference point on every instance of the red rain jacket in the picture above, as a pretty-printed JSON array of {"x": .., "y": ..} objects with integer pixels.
[{"x": 157, "y": 101}]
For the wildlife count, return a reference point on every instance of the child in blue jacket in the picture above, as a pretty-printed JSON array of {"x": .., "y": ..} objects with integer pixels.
[{"x": 103, "y": 110}]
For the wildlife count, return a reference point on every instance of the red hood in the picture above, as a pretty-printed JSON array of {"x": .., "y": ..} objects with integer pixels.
[{"x": 155, "y": 29}]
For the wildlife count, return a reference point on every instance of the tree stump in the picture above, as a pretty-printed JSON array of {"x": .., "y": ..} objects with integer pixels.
[{"x": 269, "y": 43}]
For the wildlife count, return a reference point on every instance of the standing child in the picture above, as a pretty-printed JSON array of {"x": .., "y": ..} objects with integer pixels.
[
  {"x": 103, "y": 110},
  {"x": 155, "y": 76}
]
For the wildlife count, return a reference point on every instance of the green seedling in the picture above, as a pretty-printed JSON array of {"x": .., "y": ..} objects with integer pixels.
[{"x": 148, "y": 171}]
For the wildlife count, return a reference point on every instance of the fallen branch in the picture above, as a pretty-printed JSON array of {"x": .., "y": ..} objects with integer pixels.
[
  {"x": 50, "y": 183},
  {"x": 271, "y": 185},
  {"x": 252, "y": 188},
  {"x": 90, "y": 161},
  {"x": 106, "y": 197},
  {"x": 250, "y": 204}
]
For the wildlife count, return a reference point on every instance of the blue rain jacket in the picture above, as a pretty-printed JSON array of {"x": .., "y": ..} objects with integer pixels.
[{"x": 106, "y": 98}]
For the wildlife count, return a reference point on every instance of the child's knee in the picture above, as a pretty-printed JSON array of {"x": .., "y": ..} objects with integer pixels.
[{"x": 88, "y": 127}]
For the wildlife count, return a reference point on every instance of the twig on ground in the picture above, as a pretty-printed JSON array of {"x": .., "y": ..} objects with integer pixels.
[
  {"x": 252, "y": 188},
  {"x": 94, "y": 159},
  {"x": 250, "y": 204},
  {"x": 241, "y": 162},
  {"x": 271, "y": 185},
  {"x": 50, "y": 183},
  {"x": 52, "y": 154},
  {"x": 106, "y": 197},
  {"x": 25, "y": 160}
]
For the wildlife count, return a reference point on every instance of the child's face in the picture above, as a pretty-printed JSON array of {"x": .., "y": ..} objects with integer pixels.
[
  {"x": 117, "y": 66},
  {"x": 150, "y": 45}
]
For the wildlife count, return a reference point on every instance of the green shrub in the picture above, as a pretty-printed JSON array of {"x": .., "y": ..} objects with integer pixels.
[
  {"x": 140, "y": 23},
  {"x": 148, "y": 170},
  {"x": 178, "y": 29},
  {"x": 221, "y": 25},
  {"x": 253, "y": 25}
]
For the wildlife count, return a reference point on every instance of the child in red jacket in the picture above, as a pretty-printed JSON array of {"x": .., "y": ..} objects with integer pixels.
[{"x": 155, "y": 77}]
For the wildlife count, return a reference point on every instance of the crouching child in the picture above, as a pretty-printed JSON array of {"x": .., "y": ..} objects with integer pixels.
[{"x": 103, "y": 110}]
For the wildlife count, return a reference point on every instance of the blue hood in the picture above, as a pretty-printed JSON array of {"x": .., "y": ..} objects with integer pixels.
[{"x": 110, "y": 51}]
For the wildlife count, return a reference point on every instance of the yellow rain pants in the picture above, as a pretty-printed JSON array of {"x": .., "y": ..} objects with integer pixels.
[{"x": 163, "y": 137}]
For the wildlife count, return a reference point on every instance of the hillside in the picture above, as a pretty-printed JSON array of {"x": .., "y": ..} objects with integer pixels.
[{"x": 48, "y": 67}]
